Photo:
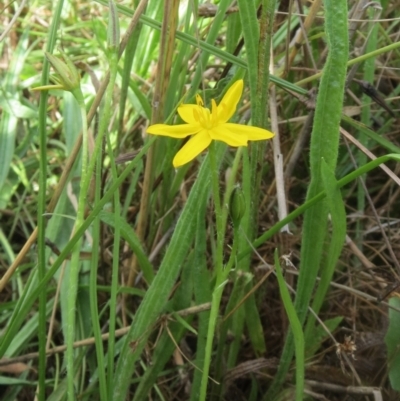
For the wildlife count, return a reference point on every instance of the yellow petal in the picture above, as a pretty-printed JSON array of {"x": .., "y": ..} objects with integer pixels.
[
  {"x": 194, "y": 146},
  {"x": 174, "y": 131},
  {"x": 252, "y": 133},
  {"x": 187, "y": 113},
  {"x": 224, "y": 134},
  {"x": 227, "y": 107},
  {"x": 199, "y": 100}
]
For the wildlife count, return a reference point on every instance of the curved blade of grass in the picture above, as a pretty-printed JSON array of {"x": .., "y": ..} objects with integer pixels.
[
  {"x": 295, "y": 326},
  {"x": 129, "y": 235}
]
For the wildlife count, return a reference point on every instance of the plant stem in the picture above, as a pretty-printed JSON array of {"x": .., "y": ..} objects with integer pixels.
[
  {"x": 75, "y": 264},
  {"x": 222, "y": 272}
]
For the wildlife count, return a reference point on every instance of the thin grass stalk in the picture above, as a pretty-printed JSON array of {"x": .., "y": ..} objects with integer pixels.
[
  {"x": 324, "y": 145},
  {"x": 218, "y": 266},
  {"x": 114, "y": 281},
  {"x": 117, "y": 235},
  {"x": 75, "y": 262},
  {"x": 93, "y": 287},
  {"x": 258, "y": 45},
  {"x": 202, "y": 294},
  {"x": 221, "y": 271},
  {"x": 212, "y": 36},
  {"x": 369, "y": 74},
  {"x": 260, "y": 111},
  {"x": 126, "y": 74},
  {"x": 252, "y": 316},
  {"x": 216, "y": 389},
  {"x": 295, "y": 327},
  {"x": 42, "y": 263},
  {"x": 163, "y": 74},
  {"x": 113, "y": 42}
]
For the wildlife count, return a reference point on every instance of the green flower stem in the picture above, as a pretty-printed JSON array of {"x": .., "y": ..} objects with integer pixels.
[
  {"x": 222, "y": 272},
  {"x": 295, "y": 326},
  {"x": 94, "y": 312},
  {"x": 222, "y": 276},
  {"x": 42, "y": 262},
  {"x": 117, "y": 230},
  {"x": 105, "y": 380},
  {"x": 219, "y": 284},
  {"x": 75, "y": 263},
  {"x": 218, "y": 209}
]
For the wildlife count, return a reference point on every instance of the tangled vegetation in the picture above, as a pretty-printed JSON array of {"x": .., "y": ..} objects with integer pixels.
[{"x": 247, "y": 249}]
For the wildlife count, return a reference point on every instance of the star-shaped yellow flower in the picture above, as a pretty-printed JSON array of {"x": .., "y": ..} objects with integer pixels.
[{"x": 205, "y": 125}]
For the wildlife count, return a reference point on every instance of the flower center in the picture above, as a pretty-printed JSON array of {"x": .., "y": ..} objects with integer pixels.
[{"x": 206, "y": 119}]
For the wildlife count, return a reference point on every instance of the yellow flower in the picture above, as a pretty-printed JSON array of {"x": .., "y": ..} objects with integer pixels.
[{"x": 205, "y": 125}]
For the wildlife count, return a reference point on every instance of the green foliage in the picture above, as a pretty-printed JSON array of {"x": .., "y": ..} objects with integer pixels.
[{"x": 166, "y": 274}]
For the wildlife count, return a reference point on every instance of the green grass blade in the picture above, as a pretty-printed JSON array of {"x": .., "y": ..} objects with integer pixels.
[
  {"x": 296, "y": 329},
  {"x": 94, "y": 309},
  {"x": 254, "y": 324},
  {"x": 129, "y": 235},
  {"x": 42, "y": 262},
  {"x": 202, "y": 294},
  {"x": 248, "y": 16}
]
